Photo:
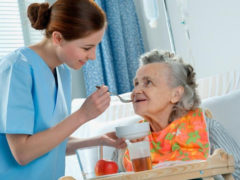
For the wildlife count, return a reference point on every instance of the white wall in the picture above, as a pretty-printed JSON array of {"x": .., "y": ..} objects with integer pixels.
[{"x": 214, "y": 28}]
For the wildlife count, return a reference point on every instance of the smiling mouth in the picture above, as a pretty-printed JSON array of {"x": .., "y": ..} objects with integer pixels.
[
  {"x": 82, "y": 62},
  {"x": 139, "y": 100}
]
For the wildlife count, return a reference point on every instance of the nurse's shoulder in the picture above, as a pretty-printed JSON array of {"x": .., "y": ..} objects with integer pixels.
[{"x": 16, "y": 60}]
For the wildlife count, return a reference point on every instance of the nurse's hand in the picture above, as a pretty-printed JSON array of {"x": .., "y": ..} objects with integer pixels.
[
  {"x": 110, "y": 139},
  {"x": 95, "y": 104}
]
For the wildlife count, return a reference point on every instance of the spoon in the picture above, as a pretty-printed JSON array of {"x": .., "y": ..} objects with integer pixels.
[{"x": 120, "y": 98}]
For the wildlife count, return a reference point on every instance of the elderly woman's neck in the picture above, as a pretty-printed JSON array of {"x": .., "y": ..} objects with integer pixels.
[{"x": 159, "y": 121}]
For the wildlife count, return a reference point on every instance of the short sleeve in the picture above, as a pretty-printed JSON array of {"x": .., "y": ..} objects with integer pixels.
[{"x": 16, "y": 102}]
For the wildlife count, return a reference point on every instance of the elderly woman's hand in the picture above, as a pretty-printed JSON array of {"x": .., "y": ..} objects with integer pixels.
[{"x": 110, "y": 139}]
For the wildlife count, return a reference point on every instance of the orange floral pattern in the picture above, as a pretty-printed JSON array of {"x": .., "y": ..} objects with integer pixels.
[{"x": 184, "y": 139}]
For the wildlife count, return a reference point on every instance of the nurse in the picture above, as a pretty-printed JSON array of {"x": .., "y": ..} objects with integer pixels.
[{"x": 35, "y": 120}]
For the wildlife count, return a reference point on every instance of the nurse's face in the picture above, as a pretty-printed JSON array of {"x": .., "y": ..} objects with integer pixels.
[{"x": 76, "y": 53}]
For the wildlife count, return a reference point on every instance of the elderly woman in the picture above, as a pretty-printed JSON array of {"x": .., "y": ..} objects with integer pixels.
[{"x": 165, "y": 95}]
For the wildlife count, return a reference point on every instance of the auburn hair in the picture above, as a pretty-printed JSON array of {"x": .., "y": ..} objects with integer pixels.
[{"x": 74, "y": 19}]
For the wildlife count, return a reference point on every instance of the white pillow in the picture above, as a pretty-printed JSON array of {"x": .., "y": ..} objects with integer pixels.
[{"x": 226, "y": 109}]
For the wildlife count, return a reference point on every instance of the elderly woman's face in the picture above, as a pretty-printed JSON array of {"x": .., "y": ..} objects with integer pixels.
[{"x": 152, "y": 94}]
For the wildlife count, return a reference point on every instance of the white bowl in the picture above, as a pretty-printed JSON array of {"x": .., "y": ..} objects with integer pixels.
[{"x": 133, "y": 131}]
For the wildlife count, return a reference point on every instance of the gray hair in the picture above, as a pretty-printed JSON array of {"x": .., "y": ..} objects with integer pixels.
[{"x": 181, "y": 74}]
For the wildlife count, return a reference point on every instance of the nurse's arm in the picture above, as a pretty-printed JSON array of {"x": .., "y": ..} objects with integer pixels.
[
  {"x": 109, "y": 139},
  {"x": 77, "y": 143},
  {"x": 25, "y": 148}
]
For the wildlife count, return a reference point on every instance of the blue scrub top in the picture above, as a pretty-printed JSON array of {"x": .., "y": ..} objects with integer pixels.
[{"x": 30, "y": 102}]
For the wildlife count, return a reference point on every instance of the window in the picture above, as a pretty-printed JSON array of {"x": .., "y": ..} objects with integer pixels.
[
  {"x": 15, "y": 29},
  {"x": 10, "y": 27}
]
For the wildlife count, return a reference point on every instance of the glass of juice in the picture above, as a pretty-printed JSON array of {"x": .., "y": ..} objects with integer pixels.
[{"x": 140, "y": 155}]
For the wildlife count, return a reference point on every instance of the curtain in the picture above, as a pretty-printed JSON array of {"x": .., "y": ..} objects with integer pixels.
[{"x": 117, "y": 55}]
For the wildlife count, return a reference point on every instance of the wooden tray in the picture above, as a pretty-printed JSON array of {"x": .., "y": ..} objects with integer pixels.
[{"x": 218, "y": 163}]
